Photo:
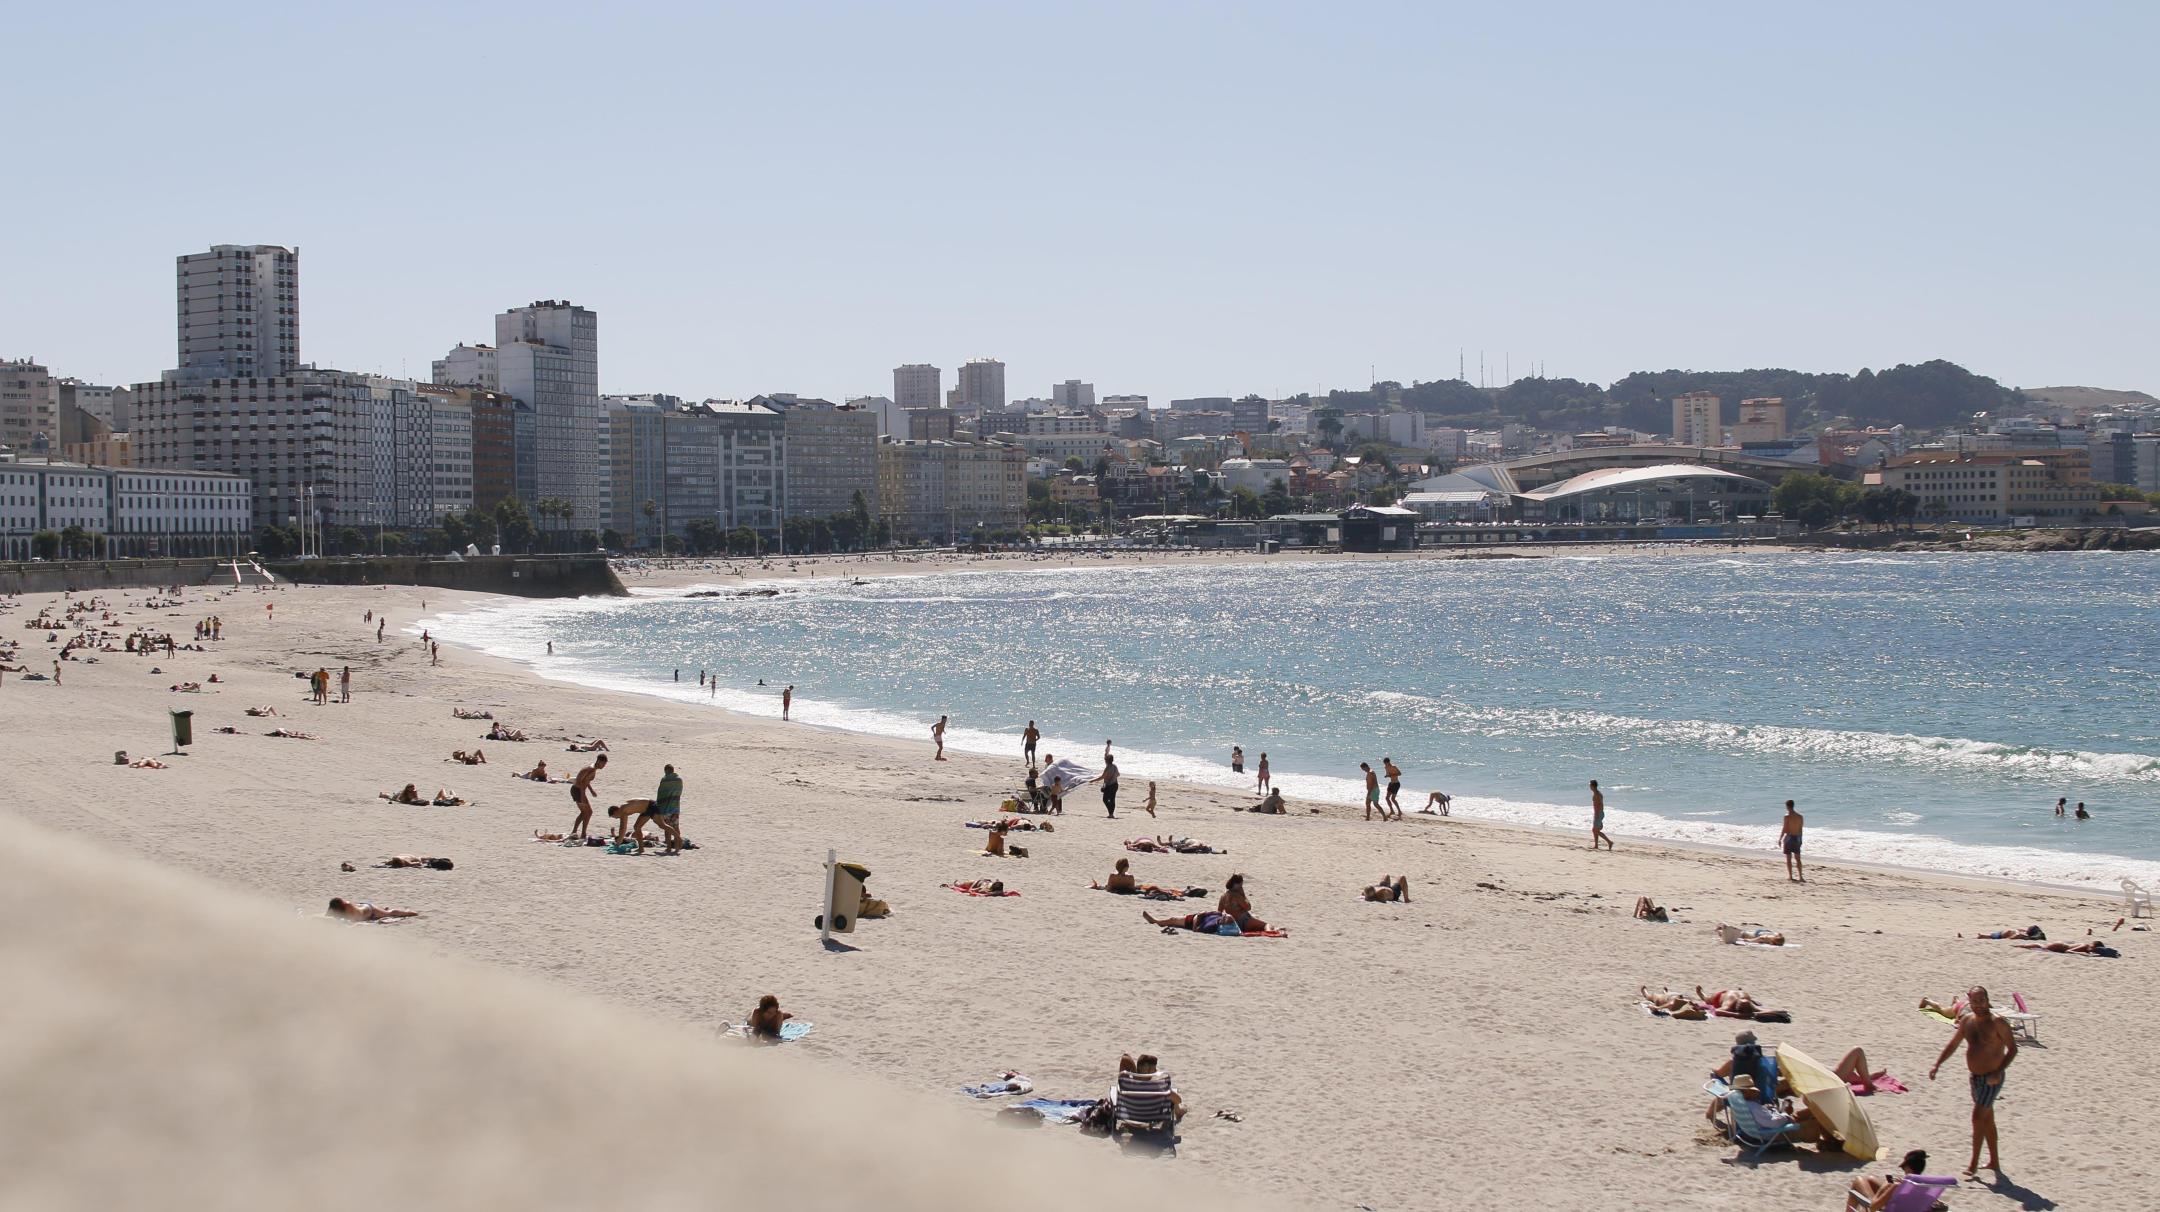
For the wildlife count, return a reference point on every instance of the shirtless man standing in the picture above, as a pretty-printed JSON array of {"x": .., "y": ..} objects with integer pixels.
[
  {"x": 1989, "y": 1049},
  {"x": 1597, "y": 817},
  {"x": 787, "y": 701},
  {"x": 1394, "y": 785},
  {"x": 1028, "y": 736},
  {"x": 581, "y": 795},
  {"x": 937, "y": 733},
  {"x": 1789, "y": 842},
  {"x": 1372, "y": 791}
]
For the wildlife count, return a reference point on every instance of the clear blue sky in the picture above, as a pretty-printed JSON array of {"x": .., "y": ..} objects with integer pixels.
[{"x": 1176, "y": 199}]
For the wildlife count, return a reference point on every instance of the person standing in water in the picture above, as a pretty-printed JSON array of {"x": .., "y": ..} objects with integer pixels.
[
  {"x": 1028, "y": 736},
  {"x": 1237, "y": 759},
  {"x": 937, "y": 733},
  {"x": 1789, "y": 841},
  {"x": 1263, "y": 784},
  {"x": 1597, "y": 817},
  {"x": 787, "y": 701}
]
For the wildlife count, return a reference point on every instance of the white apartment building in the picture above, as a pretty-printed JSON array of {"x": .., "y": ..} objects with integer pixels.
[
  {"x": 831, "y": 455},
  {"x": 547, "y": 357},
  {"x": 1087, "y": 447},
  {"x": 140, "y": 513},
  {"x": 449, "y": 456},
  {"x": 941, "y": 491},
  {"x": 1254, "y": 475},
  {"x": 239, "y": 314},
  {"x": 1696, "y": 419},
  {"x": 1134, "y": 402},
  {"x": 29, "y": 409},
  {"x": 1073, "y": 396},
  {"x": 982, "y": 385},
  {"x": 917, "y": 385},
  {"x": 468, "y": 366}
]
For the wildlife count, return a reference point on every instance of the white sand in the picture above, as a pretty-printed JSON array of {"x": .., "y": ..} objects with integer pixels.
[{"x": 1474, "y": 1048}]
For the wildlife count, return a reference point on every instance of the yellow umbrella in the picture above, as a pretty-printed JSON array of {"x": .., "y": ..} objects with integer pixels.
[{"x": 1831, "y": 1101}]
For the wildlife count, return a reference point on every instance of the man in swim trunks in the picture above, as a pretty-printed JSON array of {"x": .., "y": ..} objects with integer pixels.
[
  {"x": 1789, "y": 841},
  {"x": 581, "y": 795},
  {"x": 1597, "y": 817},
  {"x": 937, "y": 733},
  {"x": 787, "y": 700},
  {"x": 1372, "y": 791},
  {"x": 1028, "y": 736},
  {"x": 1108, "y": 778},
  {"x": 1989, "y": 1049},
  {"x": 1394, "y": 784}
]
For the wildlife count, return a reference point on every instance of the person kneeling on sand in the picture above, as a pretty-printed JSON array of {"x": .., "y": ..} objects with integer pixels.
[
  {"x": 1650, "y": 911},
  {"x": 361, "y": 911},
  {"x": 1390, "y": 888},
  {"x": 409, "y": 795},
  {"x": 765, "y": 1021}
]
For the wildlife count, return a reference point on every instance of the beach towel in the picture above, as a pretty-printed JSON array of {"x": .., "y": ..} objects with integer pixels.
[
  {"x": 1881, "y": 1083},
  {"x": 964, "y": 890},
  {"x": 1002, "y": 1085},
  {"x": 1939, "y": 1016},
  {"x": 1061, "y": 776},
  {"x": 1768, "y": 946},
  {"x": 1057, "y": 1110},
  {"x": 790, "y": 1031}
]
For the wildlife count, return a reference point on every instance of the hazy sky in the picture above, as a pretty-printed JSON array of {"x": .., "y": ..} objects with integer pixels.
[{"x": 1175, "y": 199}]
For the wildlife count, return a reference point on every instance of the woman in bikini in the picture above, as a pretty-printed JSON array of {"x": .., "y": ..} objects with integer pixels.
[{"x": 1390, "y": 888}]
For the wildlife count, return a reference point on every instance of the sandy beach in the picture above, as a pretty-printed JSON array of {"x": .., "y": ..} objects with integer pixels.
[{"x": 1478, "y": 1047}]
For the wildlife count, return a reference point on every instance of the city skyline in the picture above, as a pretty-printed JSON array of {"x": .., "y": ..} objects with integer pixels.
[{"x": 1563, "y": 194}]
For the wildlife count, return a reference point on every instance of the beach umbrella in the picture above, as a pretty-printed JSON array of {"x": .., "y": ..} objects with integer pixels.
[{"x": 1830, "y": 1101}]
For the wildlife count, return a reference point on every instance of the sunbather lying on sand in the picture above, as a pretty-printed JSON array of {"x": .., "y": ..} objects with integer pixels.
[
  {"x": 443, "y": 799},
  {"x": 291, "y": 734},
  {"x": 537, "y": 774},
  {"x": 550, "y": 837},
  {"x": 500, "y": 733},
  {"x": 1390, "y": 888},
  {"x": 147, "y": 764},
  {"x": 408, "y": 860},
  {"x": 361, "y": 911},
  {"x": 408, "y": 795},
  {"x": 2031, "y": 932},
  {"x": 2091, "y": 946},
  {"x": 1170, "y": 845},
  {"x": 1955, "y": 1008},
  {"x": 1757, "y": 935},
  {"x": 1650, "y": 911},
  {"x": 1679, "y": 1005},
  {"x": 985, "y": 887},
  {"x": 187, "y": 687},
  {"x": 592, "y": 746},
  {"x": 463, "y": 714},
  {"x": 1733, "y": 1003},
  {"x": 1013, "y": 824},
  {"x": 477, "y": 757},
  {"x": 262, "y": 711}
]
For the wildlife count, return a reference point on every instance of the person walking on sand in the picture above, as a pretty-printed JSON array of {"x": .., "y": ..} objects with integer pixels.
[
  {"x": 581, "y": 795},
  {"x": 787, "y": 701},
  {"x": 1989, "y": 1049},
  {"x": 1028, "y": 736},
  {"x": 1262, "y": 785},
  {"x": 1372, "y": 791},
  {"x": 1597, "y": 817},
  {"x": 379, "y": 625},
  {"x": 434, "y": 649},
  {"x": 344, "y": 684},
  {"x": 1789, "y": 842},
  {"x": 1108, "y": 778},
  {"x": 1394, "y": 785},
  {"x": 937, "y": 733}
]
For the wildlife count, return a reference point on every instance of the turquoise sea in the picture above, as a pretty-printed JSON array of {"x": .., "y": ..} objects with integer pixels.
[{"x": 1924, "y": 710}]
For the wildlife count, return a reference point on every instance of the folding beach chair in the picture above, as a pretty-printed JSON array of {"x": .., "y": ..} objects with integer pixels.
[
  {"x": 2024, "y": 1020},
  {"x": 2136, "y": 901},
  {"x": 1145, "y": 1115},
  {"x": 1914, "y": 1193},
  {"x": 1738, "y": 1122}
]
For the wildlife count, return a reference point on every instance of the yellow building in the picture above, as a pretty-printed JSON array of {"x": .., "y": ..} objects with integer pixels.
[{"x": 2046, "y": 485}]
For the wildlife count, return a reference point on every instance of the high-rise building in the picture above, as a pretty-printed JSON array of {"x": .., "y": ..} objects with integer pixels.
[
  {"x": 831, "y": 456},
  {"x": 1696, "y": 420},
  {"x": 29, "y": 412},
  {"x": 982, "y": 385},
  {"x": 1073, "y": 396},
  {"x": 304, "y": 441},
  {"x": 918, "y": 385},
  {"x": 496, "y": 419},
  {"x": 547, "y": 356},
  {"x": 944, "y": 490},
  {"x": 637, "y": 458},
  {"x": 468, "y": 366},
  {"x": 239, "y": 312},
  {"x": 1760, "y": 420}
]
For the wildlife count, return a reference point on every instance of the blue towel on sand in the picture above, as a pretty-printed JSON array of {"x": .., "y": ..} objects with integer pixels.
[
  {"x": 790, "y": 1031},
  {"x": 1059, "y": 1110}
]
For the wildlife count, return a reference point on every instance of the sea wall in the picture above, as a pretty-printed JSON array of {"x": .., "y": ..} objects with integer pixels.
[{"x": 521, "y": 576}]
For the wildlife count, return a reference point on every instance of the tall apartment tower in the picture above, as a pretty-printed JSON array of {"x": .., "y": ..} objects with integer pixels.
[
  {"x": 29, "y": 418},
  {"x": 917, "y": 385},
  {"x": 547, "y": 356},
  {"x": 239, "y": 312},
  {"x": 1761, "y": 420},
  {"x": 1695, "y": 420},
  {"x": 1073, "y": 396},
  {"x": 982, "y": 385}
]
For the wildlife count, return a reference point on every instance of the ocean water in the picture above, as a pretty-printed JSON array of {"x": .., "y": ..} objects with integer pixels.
[{"x": 1924, "y": 711}]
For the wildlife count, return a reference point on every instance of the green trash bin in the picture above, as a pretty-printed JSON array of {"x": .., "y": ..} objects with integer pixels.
[{"x": 183, "y": 729}]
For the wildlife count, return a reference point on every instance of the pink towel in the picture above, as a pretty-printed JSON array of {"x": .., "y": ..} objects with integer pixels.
[{"x": 1881, "y": 1083}]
